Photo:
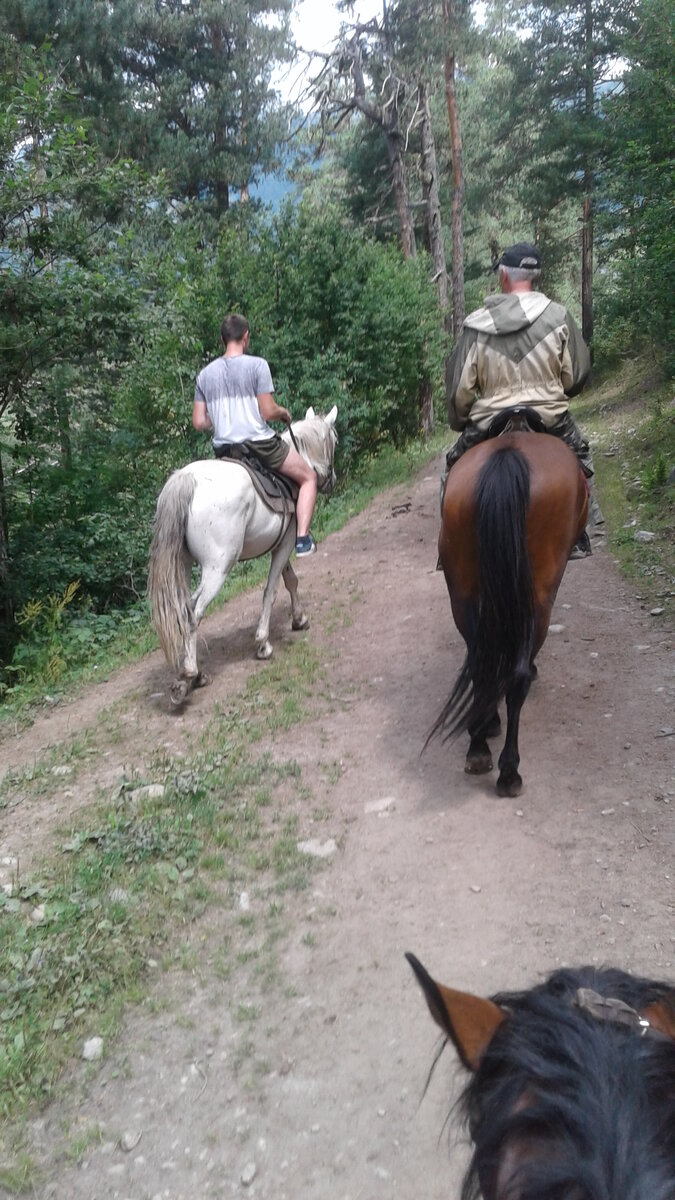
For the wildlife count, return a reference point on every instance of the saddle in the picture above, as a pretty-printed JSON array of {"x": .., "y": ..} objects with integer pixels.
[
  {"x": 520, "y": 418},
  {"x": 278, "y": 492}
]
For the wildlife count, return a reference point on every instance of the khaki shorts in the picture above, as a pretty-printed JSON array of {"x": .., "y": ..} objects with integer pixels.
[{"x": 271, "y": 451}]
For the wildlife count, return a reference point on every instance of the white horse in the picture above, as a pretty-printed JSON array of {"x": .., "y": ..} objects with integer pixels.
[{"x": 209, "y": 512}]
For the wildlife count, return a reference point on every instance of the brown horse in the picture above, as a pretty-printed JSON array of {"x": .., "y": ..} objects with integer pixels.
[
  {"x": 512, "y": 509},
  {"x": 572, "y": 1088}
]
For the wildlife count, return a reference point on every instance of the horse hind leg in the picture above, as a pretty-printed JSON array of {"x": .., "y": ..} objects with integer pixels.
[
  {"x": 509, "y": 782},
  {"x": 479, "y": 755},
  {"x": 190, "y": 676}
]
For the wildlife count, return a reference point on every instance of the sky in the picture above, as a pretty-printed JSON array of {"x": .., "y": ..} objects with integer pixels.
[{"x": 315, "y": 25}]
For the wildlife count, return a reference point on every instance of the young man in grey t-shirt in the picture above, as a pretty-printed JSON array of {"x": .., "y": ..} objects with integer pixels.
[{"x": 233, "y": 398}]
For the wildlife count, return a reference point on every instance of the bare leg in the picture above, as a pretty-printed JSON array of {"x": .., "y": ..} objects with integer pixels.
[{"x": 297, "y": 469}]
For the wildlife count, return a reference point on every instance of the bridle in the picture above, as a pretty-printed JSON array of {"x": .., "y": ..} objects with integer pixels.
[{"x": 616, "y": 1012}]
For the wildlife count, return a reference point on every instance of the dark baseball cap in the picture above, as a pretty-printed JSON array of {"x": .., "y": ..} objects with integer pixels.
[{"x": 521, "y": 255}]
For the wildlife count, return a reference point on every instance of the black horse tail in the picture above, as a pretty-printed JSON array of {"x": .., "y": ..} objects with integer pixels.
[{"x": 501, "y": 642}]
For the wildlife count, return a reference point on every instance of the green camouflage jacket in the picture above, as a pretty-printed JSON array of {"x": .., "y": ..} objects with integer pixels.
[{"x": 519, "y": 348}]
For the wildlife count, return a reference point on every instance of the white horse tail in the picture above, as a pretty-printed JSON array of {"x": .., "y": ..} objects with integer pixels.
[{"x": 167, "y": 575}]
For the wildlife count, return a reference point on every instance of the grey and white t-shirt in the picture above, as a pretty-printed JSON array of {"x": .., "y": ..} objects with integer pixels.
[{"x": 229, "y": 387}]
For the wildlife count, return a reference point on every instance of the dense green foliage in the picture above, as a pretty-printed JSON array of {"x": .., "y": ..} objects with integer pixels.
[
  {"x": 638, "y": 262},
  {"x": 82, "y": 477},
  {"x": 179, "y": 85}
]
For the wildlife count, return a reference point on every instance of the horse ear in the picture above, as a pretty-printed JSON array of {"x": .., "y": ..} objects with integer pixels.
[
  {"x": 330, "y": 419},
  {"x": 469, "y": 1022},
  {"x": 310, "y": 414},
  {"x": 661, "y": 1016}
]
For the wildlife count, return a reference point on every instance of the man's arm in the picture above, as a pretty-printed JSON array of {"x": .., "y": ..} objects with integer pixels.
[
  {"x": 270, "y": 410},
  {"x": 576, "y": 361},
  {"x": 462, "y": 380},
  {"x": 201, "y": 420}
]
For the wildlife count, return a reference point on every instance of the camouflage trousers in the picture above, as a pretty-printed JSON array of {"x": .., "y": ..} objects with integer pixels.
[{"x": 564, "y": 428}]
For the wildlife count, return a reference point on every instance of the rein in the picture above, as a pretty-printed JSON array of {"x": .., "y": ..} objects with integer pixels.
[{"x": 293, "y": 438}]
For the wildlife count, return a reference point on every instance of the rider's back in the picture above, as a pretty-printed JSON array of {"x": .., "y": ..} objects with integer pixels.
[
  {"x": 229, "y": 387},
  {"x": 519, "y": 348}
]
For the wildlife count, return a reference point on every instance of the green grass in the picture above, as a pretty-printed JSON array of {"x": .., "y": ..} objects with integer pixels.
[
  {"x": 82, "y": 1141},
  {"x": 21, "y": 1178},
  {"x": 77, "y": 936},
  {"x": 57, "y": 764},
  {"x": 631, "y": 418}
]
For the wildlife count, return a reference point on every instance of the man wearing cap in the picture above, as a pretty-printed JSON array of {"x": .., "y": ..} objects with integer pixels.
[{"x": 520, "y": 348}]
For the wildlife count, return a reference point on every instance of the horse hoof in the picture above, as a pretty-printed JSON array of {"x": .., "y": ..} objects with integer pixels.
[
  {"x": 301, "y": 623},
  {"x": 512, "y": 786},
  {"x": 202, "y": 680},
  {"x": 264, "y": 650},
  {"x": 480, "y": 764},
  {"x": 179, "y": 691}
]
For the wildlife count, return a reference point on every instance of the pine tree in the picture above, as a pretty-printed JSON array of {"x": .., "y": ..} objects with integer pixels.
[
  {"x": 639, "y": 186},
  {"x": 182, "y": 86},
  {"x": 563, "y": 67},
  {"x": 199, "y": 73}
]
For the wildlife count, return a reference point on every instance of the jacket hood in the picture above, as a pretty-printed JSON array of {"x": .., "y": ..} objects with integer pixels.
[{"x": 507, "y": 313}]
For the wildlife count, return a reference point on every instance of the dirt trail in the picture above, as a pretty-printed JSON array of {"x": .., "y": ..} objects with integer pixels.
[{"x": 488, "y": 893}]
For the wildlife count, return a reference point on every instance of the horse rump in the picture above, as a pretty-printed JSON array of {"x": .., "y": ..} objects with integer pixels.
[{"x": 498, "y": 625}]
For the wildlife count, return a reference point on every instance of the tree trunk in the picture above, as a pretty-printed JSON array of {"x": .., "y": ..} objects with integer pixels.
[
  {"x": 222, "y": 192},
  {"x": 6, "y": 613},
  {"x": 425, "y": 399},
  {"x": 387, "y": 118},
  {"x": 587, "y": 262},
  {"x": 458, "y": 301},
  {"x": 587, "y": 228},
  {"x": 63, "y": 418},
  {"x": 436, "y": 242},
  {"x": 432, "y": 202},
  {"x": 400, "y": 186}
]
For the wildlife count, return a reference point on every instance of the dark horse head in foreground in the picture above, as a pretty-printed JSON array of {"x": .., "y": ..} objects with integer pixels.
[
  {"x": 572, "y": 1095},
  {"x": 512, "y": 510}
]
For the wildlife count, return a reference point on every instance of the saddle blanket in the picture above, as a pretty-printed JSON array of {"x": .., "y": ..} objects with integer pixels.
[{"x": 278, "y": 492}]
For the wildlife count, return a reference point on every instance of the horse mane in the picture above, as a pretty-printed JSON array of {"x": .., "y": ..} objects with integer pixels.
[{"x": 597, "y": 1099}]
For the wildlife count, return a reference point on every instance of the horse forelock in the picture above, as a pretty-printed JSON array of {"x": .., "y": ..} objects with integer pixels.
[{"x": 566, "y": 1107}]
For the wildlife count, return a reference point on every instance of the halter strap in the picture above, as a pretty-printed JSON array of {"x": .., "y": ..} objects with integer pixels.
[{"x": 603, "y": 1008}]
